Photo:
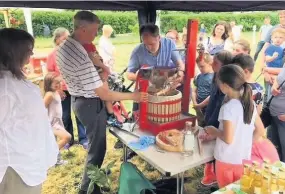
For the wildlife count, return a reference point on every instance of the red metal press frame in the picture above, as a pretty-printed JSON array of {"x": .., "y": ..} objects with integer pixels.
[
  {"x": 155, "y": 128},
  {"x": 190, "y": 62}
]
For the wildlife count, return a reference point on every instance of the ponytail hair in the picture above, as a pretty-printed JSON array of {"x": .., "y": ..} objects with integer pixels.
[
  {"x": 247, "y": 103},
  {"x": 234, "y": 77}
]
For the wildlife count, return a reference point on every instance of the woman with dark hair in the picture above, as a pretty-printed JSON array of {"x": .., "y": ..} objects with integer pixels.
[
  {"x": 59, "y": 36},
  {"x": 28, "y": 147},
  {"x": 218, "y": 39}
]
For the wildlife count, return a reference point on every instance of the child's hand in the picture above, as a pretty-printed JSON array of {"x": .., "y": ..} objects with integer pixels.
[
  {"x": 281, "y": 117},
  {"x": 197, "y": 106},
  {"x": 205, "y": 137},
  {"x": 267, "y": 77},
  {"x": 62, "y": 94},
  {"x": 275, "y": 55},
  {"x": 106, "y": 70},
  {"x": 211, "y": 130}
]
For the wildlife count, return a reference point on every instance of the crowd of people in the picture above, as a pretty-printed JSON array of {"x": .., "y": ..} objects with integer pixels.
[{"x": 227, "y": 99}]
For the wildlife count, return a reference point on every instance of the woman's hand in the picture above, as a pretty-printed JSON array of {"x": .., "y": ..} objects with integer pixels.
[
  {"x": 275, "y": 91},
  {"x": 281, "y": 117}
]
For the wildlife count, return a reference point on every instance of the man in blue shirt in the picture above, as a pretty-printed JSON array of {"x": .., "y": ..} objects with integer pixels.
[{"x": 154, "y": 51}]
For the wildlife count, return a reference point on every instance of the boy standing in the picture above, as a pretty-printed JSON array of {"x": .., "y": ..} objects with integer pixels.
[
  {"x": 274, "y": 59},
  {"x": 264, "y": 29},
  {"x": 203, "y": 83}
]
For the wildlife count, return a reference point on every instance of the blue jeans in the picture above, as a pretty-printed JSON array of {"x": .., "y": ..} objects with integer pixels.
[
  {"x": 258, "y": 49},
  {"x": 277, "y": 136},
  {"x": 67, "y": 121}
]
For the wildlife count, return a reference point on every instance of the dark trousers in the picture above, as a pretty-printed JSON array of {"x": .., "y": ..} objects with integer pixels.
[
  {"x": 277, "y": 136},
  {"x": 67, "y": 121},
  {"x": 92, "y": 113},
  {"x": 258, "y": 49}
]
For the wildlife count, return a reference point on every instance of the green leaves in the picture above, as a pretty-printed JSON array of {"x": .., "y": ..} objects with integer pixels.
[{"x": 98, "y": 176}]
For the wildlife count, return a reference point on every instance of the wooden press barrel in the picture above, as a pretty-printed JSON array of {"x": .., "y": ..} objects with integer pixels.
[{"x": 162, "y": 109}]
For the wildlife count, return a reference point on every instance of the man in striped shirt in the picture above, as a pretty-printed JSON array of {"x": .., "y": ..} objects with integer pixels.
[{"x": 87, "y": 89}]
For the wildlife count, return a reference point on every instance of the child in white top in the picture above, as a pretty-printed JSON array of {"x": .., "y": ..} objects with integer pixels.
[
  {"x": 238, "y": 120},
  {"x": 52, "y": 102}
]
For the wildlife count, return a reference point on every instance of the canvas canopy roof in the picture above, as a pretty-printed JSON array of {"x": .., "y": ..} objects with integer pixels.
[{"x": 147, "y": 9}]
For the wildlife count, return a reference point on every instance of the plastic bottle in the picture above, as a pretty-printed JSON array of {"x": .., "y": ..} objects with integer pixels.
[
  {"x": 246, "y": 180},
  {"x": 281, "y": 178},
  {"x": 257, "y": 182},
  {"x": 267, "y": 171},
  {"x": 254, "y": 167},
  {"x": 44, "y": 68},
  {"x": 266, "y": 162},
  {"x": 189, "y": 139},
  {"x": 265, "y": 185},
  {"x": 273, "y": 185}
]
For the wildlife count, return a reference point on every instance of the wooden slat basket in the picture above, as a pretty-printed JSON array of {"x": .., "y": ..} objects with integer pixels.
[{"x": 162, "y": 109}]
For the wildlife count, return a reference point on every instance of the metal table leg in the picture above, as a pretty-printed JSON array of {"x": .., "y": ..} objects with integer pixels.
[
  {"x": 125, "y": 152},
  {"x": 177, "y": 185},
  {"x": 182, "y": 183}
]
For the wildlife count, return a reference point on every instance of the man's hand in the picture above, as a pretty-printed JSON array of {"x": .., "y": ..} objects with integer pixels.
[
  {"x": 62, "y": 94},
  {"x": 180, "y": 76},
  {"x": 281, "y": 118},
  {"x": 140, "y": 96}
]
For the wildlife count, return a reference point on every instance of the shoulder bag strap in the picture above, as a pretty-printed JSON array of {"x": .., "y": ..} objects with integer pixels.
[{"x": 269, "y": 102}]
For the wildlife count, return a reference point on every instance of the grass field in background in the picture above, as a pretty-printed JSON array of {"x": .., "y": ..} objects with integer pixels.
[{"x": 66, "y": 179}]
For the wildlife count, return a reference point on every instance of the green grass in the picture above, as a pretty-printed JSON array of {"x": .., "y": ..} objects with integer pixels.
[
  {"x": 66, "y": 179},
  {"x": 42, "y": 43}
]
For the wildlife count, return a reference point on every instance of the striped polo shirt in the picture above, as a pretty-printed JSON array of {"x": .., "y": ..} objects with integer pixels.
[{"x": 77, "y": 69}]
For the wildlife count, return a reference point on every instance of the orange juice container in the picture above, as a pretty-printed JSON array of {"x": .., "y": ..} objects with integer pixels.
[
  {"x": 266, "y": 162},
  {"x": 255, "y": 165},
  {"x": 265, "y": 185},
  {"x": 257, "y": 182},
  {"x": 274, "y": 189},
  {"x": 246, "y": 180},
  {"x": 267, "y": 171},
  {"x": 281, "y": 178}
]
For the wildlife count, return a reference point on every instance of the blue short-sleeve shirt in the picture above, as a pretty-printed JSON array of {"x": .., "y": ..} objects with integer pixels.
[
  {"x": 278, "y": 62},
  {"x": 141, "y": 56},
  {"x": 204, "y": 83}
]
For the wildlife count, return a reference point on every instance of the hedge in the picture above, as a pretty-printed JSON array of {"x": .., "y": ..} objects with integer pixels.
[
  {"x": 127, "y": 22},
  {"x": 178, "y": 21},
  {"x": 120, "y": 21}
]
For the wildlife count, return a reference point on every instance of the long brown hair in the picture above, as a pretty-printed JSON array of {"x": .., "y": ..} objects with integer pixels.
[
  {"x": 234, "y": 77},
  {"x": 49, "y": 78},
  {"x": 15, "y": 48}
]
